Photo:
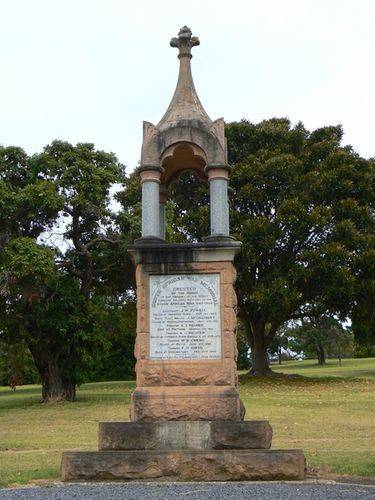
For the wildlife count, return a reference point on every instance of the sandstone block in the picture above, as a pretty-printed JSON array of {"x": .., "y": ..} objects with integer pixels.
[
  {"x": 170, "y": 373},
  {"x": 185, "y": 435},
  {"x": 150, "y": 404},
  {"x": 250, "y": 434},
  {"x": 183, "y": 465}
]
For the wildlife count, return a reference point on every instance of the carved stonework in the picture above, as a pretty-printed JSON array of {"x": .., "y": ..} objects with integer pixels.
[
  {"x": 184, "y": 42},
  {"x": 185, "y": 120}
]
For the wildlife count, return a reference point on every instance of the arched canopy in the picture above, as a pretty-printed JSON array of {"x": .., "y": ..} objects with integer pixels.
[
  {"x": 185, "y": 139},
  {"x": 181, "y": 157}
]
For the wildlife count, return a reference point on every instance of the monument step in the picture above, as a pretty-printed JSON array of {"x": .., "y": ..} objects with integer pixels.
[
  {"x": 185, "y": 435},
  {"x": 184, "y": 465}
]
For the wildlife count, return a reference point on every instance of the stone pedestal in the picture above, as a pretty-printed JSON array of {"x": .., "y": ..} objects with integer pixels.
[
  {"x": 184, "y": 451},
  {"x": 186, "y": 347},
  {"x": 187, "y": 417}
]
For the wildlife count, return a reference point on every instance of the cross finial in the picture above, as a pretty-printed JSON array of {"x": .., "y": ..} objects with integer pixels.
[{"x": 185, "y": 42}]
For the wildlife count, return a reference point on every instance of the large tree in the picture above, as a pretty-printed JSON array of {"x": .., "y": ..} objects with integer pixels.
[
  {"x": 303, "y": 208},
  {"x": 302, "y": 205},
  {"x": 57, "y": 290}
]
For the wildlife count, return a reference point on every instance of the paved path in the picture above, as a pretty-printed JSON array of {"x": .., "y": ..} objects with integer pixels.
[{"x": 192, "y": 491}]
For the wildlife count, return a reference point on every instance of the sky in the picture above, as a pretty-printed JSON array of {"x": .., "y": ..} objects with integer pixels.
[{"x": 93, "y": 70}]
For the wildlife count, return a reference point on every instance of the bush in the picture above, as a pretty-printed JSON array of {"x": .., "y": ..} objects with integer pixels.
[
  {"x": 16, "y": 365},
  {"x": 364, "y": 351}
]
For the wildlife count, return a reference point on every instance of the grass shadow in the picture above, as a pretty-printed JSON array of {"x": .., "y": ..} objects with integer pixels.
[{"x": 292, "y": 379}]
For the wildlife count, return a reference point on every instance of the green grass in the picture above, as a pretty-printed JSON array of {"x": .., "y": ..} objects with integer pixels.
[
  {"x": 329, "y": 415},
  {"x": 356, "y": 368}
]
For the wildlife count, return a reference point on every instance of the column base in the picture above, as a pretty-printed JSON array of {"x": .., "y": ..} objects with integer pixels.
[
  {"x": 221, "y": 238},
  {"x": 149, "y": 240}
]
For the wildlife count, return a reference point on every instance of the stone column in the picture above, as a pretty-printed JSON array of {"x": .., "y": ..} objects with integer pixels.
[
  {"x": 163, "y": 198},
  {"x": 219, "y": 208},
  {"x": 150, "y": 179}
]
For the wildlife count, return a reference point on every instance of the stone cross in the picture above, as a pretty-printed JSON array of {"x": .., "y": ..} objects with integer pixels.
[{"x": 184, "y": 42}]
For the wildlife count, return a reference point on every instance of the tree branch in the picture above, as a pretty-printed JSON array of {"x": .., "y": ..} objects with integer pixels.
[{"x": 100, "y": 239}]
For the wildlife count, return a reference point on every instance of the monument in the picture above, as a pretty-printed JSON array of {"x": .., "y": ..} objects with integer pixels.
[{"x": 187, "y": 420}]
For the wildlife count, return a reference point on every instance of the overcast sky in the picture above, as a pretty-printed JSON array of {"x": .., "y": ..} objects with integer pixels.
[{"x": 93, "y": 70}]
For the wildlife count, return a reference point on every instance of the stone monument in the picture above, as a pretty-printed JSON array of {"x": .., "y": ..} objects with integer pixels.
[{"x": 187, "y": 420}]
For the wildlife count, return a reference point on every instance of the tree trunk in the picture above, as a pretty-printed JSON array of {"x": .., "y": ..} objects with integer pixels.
[
  {"x": 256, "y": 335},
  {"x": 340, "y": 356},
  {"x": 259, "y": 355},
  {"x": 321, "y": 355},
  {"x": 54, "y": 387},
  {"x": 279, "y": 354}
]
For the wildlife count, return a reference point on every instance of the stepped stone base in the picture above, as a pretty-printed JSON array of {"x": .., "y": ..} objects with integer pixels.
[
  {"x": 184, "y": 451},
  {"x": 184, "y": 465}
]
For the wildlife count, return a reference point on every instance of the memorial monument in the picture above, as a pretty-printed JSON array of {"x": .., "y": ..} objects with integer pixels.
[{"x": 187, "y": 420}]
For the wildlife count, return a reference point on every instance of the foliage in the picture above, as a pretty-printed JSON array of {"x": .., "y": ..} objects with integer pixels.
[
  {"x": 243, "y": 348},
  {"x": 29, "y": 201},
  {"x": 363, "y": 351},
  {"x": 16, "y": 365},
  {"x": 118, "y": 361},
  {"x": 280, "y": 344},
  {"x": 320, "y": 336},
  {"x": 302, "y": 208},
  {"x": 55, "y": 296}
]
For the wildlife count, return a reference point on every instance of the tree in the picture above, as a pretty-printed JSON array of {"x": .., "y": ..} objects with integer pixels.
[
  {"x": 302, "y": 208},
  {"x": 301, "y": 205},
  {"x": 29, "y": 200},
  {"x": 321, "y": 335},
  {"x": 363, "y": 310},
  {"x": 55, "y": 297},
  {"x": 280, "y": 343}
]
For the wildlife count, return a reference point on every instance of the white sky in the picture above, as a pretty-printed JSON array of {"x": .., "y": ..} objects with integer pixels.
[{"x": 93, "y": 70}]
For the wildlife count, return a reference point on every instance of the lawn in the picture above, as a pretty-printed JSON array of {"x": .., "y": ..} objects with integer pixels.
[
  {"x": 330, "y": 414},
  {"x": 356, "y": 368}
]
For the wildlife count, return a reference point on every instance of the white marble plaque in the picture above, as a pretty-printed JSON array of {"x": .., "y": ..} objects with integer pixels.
[{"x": 185, "y": 316}]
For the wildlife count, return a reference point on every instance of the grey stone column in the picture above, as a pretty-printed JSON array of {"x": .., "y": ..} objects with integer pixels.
[
  {"x": 219, "y": 207},
  {"x": 150, "y": 178},
  {"x": 163, "y": 198},
  {"x": 162, "y": 220}
]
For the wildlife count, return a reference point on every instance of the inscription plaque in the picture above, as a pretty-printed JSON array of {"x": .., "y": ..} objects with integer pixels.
[{"x": 185, "y": 316}]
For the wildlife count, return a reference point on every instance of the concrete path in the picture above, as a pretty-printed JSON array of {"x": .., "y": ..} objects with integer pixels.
[{"x": 193, "y": 491}]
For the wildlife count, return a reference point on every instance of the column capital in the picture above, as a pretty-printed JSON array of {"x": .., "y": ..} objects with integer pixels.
[
  {"x": 153, "y": 167},
  {"x": 150, "y": 175},
  {"x": 217, "y": 171}
]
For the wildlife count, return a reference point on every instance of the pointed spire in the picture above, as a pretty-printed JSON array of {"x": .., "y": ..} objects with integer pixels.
[{"x": 185, "y": 104}]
